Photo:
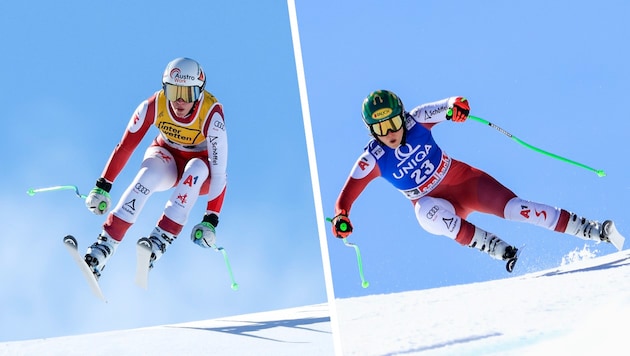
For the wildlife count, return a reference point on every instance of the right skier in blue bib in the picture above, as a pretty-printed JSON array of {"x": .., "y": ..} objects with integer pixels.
[{"x": 443, "y": 190}]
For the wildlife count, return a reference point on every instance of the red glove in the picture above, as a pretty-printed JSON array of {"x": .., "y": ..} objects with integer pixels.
[
  {"x": 341, "y": 226},
  {"x": 459, "y": 111}
]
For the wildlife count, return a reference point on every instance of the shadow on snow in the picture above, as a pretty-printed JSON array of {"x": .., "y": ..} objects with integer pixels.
[{"x": 254, "y": 326}]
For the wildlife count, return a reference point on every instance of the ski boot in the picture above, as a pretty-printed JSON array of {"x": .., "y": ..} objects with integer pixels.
[
  {"x": 593, "y": 230},
  {"x": 99, "y": 253},
  {"x": 158, "y": 241},
  {"x": 495, "y": 247}
]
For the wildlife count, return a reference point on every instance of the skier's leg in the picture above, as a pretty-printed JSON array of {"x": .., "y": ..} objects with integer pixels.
[
  {"x": 538, "y": 214},
  {"x": 555, "y": 219},
  {"x": 178, "y": 206},
  {"x": 470, "y": 189},
  {"x": 158, "y": 172},
  {"x": 437, "y": 216}
]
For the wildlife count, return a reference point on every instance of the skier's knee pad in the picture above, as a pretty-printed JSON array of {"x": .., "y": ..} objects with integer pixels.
[
  {"x": 538, "y": 214},
  {"x": 437, "y": 216}
]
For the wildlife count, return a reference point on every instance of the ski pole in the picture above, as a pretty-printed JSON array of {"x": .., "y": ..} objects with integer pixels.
[
  {"x": 199, "y": 235},
  {"x": 101, "y": 206},
  {"x": 227, "y": 264},
  {"x": 32, "y": 191},
  {"x": 599, "y": 172},
  {"x": 364, "y": 283}
]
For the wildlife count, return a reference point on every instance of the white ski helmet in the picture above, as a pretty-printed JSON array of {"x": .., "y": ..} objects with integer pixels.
[{"x": 184, "y": 79}]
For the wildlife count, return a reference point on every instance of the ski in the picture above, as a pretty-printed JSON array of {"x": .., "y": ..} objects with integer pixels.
[
  {"x": 613, "y": 236},
  {"x": 143, "y": 262},
  {"x": 509, "y": 265},
  {"x": 71, "y": 245}
]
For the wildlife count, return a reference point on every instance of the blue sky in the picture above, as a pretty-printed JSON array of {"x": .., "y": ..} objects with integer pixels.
[
  {"x": 554, "y": 74},
  {"x": 77, "y": 72}
]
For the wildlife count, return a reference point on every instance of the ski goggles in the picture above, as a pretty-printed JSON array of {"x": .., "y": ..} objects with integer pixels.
[
  {"x": 392, "y": 124},
  {"x": 187, "y": 94}
]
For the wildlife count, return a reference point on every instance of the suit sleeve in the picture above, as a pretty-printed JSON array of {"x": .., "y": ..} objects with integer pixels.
[
  {"x": 432, "y": 113},
  {"x": 138, "y": 126},
  {"x": 216, "y": 137},
  {"x": 363, "y": 172}
]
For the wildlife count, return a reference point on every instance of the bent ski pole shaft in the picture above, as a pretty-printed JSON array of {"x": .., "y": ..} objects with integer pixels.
[
  {"x": 227, "y": 264},
  {"x": 364, "y": 283},
  {"x": 102, "y": 206},
  {"x": 32, "y": 191},
  {"x": 599, "y": 172}
]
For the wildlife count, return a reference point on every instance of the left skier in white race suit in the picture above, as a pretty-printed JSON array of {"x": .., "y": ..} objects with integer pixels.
[{"x": 189, "y": 154}]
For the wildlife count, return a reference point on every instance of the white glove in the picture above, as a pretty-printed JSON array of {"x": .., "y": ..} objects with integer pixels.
[
  {"x": 203, "y": 235},
  {"x": 98, "y": 200}
]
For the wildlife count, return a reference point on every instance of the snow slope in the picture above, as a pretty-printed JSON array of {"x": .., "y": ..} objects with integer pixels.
[
  {"x": 296, "y": 331},
  {"x": 578, "y": 309}
]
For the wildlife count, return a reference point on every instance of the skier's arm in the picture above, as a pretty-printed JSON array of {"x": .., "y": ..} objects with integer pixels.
[
  {"x": 138, "y": 125},
  {"x": 216, "y": 137},
  {"x": 203, "y": 234},
  {"x": 429, "y": 114},
  {"x": 98, "y": 200},
  {"x": 363, "y": 172}
]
